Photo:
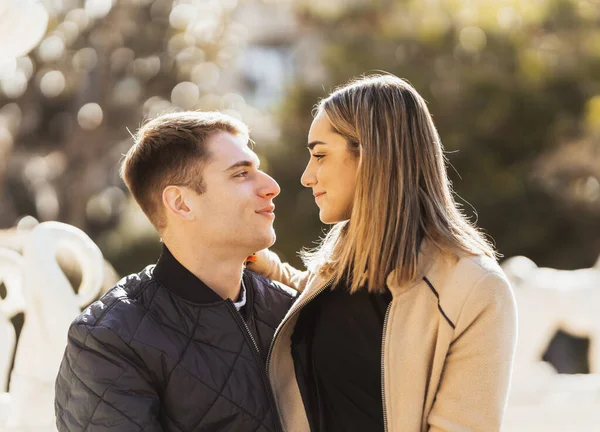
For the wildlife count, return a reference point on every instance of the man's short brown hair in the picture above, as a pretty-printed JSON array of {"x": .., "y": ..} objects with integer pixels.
[{"x": 171, "y": 150}]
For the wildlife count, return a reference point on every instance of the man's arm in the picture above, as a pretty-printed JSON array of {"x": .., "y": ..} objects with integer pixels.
[{"x": 101, "y": 385}]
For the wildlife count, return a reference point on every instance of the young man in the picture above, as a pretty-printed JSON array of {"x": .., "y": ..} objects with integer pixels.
[{"x": 181, "y": 346}]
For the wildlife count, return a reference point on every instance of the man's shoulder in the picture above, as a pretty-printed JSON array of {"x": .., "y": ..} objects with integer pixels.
[
  {"x": 272, "y": 299},
  {"x": 264, "y": 284},
  {"x": 120, "y": 307}
]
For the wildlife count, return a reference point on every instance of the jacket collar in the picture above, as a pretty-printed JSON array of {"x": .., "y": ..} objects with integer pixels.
[{"x": 180, "y": 281}]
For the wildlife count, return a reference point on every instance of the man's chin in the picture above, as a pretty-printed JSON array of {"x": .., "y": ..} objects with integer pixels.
[
  {"x": 271, "y": 240},
  {"x": 268, "y": 240}
]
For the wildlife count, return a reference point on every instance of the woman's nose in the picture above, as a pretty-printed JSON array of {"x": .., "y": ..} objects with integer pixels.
[{"x": 308, "y": 179}]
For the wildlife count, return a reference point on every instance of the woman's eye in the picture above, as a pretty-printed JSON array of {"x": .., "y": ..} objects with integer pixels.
[{"x": 318, "y": 156}]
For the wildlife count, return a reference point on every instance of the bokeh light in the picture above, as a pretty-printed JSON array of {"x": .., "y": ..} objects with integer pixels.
[
  {"x": 8, "y": 67},
  {"x": 182, "y": 15},
  {"x": 127, "y": 92},
  {"x": 78, "y": 17},
  {"x": 52, "y": 83},
  {"x": 23, "y": 24},
  {"x": 185, "y": 95},
  {"x": 51, "y": 49},
  {"x": 25, "y": 65},
  {"x": 15, "y": 86},
  {"x": 98, "y": 8},
  {"x": 472, "y": 39},
  {"x": 85, "y": 59},
  {"x": 205, "y": 75},
  {"x": 90, "y": 116}
]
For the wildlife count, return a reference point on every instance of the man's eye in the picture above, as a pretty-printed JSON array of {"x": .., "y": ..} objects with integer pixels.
[{"x": 241, "y": 174}]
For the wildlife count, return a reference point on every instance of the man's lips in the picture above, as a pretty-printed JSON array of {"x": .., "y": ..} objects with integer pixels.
[{"x": 267, "y": 211}]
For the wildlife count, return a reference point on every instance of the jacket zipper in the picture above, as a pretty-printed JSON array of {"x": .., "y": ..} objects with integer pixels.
[
  {"x": 298, "y": 309},
  {"x": 267, "y": 384},
  {"x": 385, "y": 321}
]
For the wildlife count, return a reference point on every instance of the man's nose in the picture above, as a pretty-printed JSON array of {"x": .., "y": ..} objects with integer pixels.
[{"x": 270, "y": 189}]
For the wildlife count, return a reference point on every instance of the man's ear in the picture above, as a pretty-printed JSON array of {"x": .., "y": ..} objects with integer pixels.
[{"x": 173, "y": 198}]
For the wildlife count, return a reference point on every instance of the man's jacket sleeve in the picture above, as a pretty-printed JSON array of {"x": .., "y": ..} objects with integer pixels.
[{"x": 102, "y": 385}]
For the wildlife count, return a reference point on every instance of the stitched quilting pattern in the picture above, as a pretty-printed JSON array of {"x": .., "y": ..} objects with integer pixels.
[{"x": 143, "y": 359}]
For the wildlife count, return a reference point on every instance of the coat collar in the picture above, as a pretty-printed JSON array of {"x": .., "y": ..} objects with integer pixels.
[
  {"x": 180, "y": 281},
  {"x": 431, "y": 263}
]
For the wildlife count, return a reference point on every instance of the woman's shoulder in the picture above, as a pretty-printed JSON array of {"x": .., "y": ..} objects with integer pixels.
[{"x": 461, "y": 278}]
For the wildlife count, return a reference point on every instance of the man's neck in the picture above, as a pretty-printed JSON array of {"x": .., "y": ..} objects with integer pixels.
[{"x": 219, "y": 271}]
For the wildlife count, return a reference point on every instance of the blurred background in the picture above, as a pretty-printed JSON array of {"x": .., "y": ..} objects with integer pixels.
[{"x": 513, "y": 85}]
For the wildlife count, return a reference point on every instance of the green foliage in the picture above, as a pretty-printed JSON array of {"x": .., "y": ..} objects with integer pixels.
[{"x": 509, "y": 85}]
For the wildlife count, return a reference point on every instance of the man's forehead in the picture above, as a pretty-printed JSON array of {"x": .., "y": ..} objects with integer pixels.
[{"x": 227, "y": 149}]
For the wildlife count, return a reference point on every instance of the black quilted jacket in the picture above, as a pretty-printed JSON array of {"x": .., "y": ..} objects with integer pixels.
[{"x": 163, "y": 352}]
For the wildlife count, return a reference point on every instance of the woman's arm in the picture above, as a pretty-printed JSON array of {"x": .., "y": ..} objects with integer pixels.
[
  {"x": 268, "y": 264},
  {"x": 475, "y": 382}
]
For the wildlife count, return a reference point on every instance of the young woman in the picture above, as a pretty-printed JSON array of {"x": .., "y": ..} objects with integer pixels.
[{"x": 405, "y": 323}]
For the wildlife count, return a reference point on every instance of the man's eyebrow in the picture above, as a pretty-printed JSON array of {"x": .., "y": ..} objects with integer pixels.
[
  {"x": 242, "y": 163},
  {"x": 311, "y": 145}
]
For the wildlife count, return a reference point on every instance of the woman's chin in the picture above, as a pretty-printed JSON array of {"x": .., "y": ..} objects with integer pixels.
[{"x": 329, "y": 218}]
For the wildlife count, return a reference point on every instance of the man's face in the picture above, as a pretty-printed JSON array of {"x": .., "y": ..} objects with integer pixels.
[{"x": 236, "y": 208}]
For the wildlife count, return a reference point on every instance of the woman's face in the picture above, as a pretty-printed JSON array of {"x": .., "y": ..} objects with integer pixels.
[{"x": 331, "y": 171}]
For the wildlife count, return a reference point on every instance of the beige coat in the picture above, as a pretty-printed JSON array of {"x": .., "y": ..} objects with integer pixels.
[{"x": 447, "y": 348}]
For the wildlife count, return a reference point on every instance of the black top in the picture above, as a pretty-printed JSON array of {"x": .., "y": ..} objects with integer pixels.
[
  {"x": 162, "y": 352},
  {"x": 336, "y": 348}
]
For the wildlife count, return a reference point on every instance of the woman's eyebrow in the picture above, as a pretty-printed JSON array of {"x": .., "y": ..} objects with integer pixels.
[{"x": 312, "y": 144}]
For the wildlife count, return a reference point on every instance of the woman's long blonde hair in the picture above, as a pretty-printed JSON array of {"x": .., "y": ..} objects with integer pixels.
[{"x": 403, "y": 194}]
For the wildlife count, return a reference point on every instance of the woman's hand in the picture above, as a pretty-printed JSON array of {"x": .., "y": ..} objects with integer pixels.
[{"x": 258, "y": 262}]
